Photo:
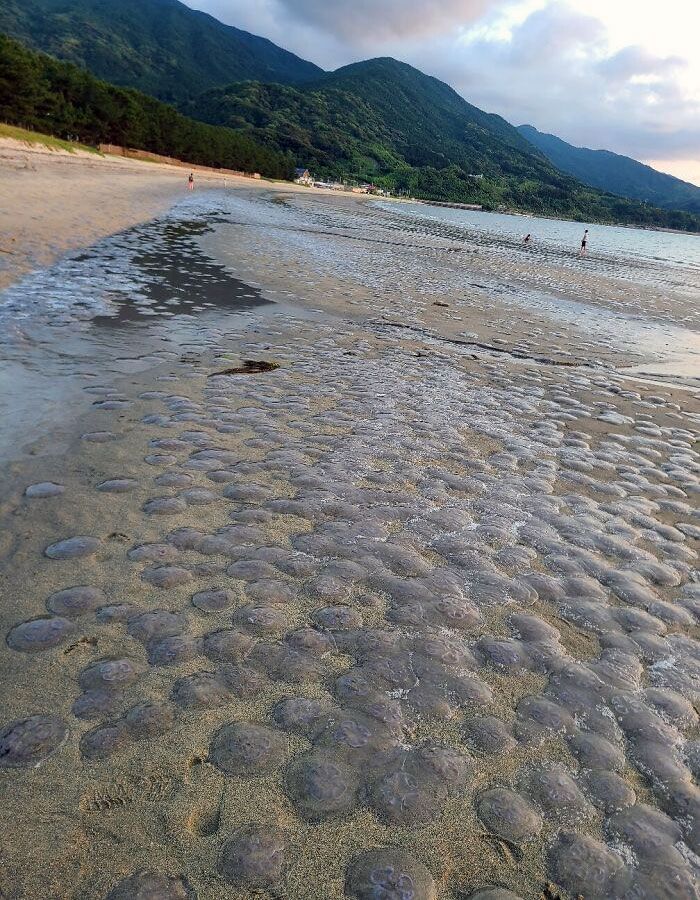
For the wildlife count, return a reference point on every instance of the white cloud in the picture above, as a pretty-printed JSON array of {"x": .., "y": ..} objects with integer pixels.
[
  {"x": 557, "y": 71},
  {"x": 638, "y": 62}
]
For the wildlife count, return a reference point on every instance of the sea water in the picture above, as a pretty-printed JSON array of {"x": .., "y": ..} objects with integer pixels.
[{"x": 647, "y": 245}]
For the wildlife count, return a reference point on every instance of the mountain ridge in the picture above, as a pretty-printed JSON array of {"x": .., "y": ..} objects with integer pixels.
[
  {"x": 160, "y": 47},
  {"x": 41, "y": 93},
  {"x": 614, "y": 172}
]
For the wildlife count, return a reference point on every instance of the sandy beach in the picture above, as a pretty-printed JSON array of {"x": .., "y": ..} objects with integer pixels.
[
  {"x": 347, "y": 551},
  {"x": 52, "y": 202}
]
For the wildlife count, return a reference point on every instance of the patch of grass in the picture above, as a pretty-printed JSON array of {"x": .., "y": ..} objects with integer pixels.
[{"x": 47, "y": 140}]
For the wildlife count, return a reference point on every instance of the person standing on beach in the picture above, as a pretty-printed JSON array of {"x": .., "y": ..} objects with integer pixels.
[
  {"x": 584, "y": 243},
  {"x": 190, "y": 181}
]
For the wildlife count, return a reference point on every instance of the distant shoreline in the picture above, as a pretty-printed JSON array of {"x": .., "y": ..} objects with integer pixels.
[
  {"x": 84, "y": 196},
  {"x": 531, "y": 215}
]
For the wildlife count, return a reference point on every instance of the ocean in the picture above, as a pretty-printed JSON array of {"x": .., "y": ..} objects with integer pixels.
[{"x": 645, "y": 245}]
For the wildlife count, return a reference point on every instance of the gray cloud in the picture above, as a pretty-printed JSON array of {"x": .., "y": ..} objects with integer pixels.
[
  {"x": 273, "y": 20},
  {"x": 332, "y": 33},
  {"x": 369, "y": 22},
  {"x": 634, "y": 61},
  {"x": 554, "y": 31}
]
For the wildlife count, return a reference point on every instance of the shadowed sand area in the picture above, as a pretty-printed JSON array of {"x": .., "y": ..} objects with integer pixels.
[{"x": 413, "y": 614}]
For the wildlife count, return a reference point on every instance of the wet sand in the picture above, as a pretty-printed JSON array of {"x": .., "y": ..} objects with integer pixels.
[{"x": 412, "y": 615}]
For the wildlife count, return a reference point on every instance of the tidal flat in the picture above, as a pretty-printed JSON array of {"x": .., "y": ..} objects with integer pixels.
[{"x": 349, "y": 551}]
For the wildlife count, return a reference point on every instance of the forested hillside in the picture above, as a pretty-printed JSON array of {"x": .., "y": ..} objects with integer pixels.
[
  {"x": 386, "y": 122},
  {"x": 161, "y": 47},
  {"x": 615, "y": 173},
  {"x": 41, "y": 93}
]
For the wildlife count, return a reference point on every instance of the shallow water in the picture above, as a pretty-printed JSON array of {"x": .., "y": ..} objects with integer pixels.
[
  {"x": 661, "y": 327},
  {"x": 159, "y": 269},
  {"x": 125, "y": 305},
  {"x": 644, "y": 245}
]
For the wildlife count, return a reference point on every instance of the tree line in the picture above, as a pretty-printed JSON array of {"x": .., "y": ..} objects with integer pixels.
[
  {"x": 43, "y": 94},
  {"x": 408, "y": 133}
]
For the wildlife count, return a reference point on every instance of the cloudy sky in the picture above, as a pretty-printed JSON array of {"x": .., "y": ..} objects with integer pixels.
[{"x": 619, "y": 74}]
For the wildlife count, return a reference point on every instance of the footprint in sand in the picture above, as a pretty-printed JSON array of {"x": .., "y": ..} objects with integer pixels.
[{"x": 204, "y": 795}]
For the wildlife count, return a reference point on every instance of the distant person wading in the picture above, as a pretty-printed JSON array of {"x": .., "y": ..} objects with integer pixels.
[
  {"x": 584, "y": 243},
  {"x": 190, "y": 182}
]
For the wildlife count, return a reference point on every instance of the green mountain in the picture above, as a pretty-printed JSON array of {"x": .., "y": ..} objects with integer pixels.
[
  {"x": 44, "y": 94},
  {"x": 161, "y": 47},
  {"x": 386, "y": 122},
  {"x": 617, "y": 174},
  {"x": 373, "y": 117}
]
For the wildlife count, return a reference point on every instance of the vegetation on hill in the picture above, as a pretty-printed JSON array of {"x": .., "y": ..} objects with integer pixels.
[
  {"x": 161, "y": 47},
  {"x": 385, "y": 122},
  {"x": 46, "y": 95},
  {"x": 615, "y": 173}
]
